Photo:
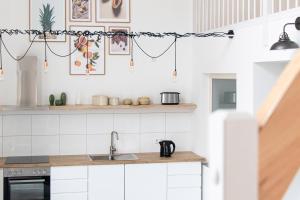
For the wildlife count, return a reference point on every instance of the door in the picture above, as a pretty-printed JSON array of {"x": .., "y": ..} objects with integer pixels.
[
  {"x": 146, "y": 182},
  {"x": 106, "y": 182}
]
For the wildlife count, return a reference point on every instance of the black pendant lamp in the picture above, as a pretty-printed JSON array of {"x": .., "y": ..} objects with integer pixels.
[{"x": 284, "y": 40}]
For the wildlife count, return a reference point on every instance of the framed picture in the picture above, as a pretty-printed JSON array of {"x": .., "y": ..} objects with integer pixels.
[
  {"x": 90, "y": 56},
  {"x": 113, "y": 11},
  {"x": 119, "y": 44},
  {"x": 46, "y": 15},
  {"x": 80, "y": 10}
]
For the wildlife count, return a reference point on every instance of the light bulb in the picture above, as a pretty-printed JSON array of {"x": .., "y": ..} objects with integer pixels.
[
  {"x": 131, "y": 65},
  {"x": 1, "y": 74},
  {"x": 174, "y": 74},
  {"x": 46, "y": 66}
]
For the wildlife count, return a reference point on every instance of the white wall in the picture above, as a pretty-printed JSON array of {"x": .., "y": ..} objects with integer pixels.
[
  {"x": 238, "y": 56},
  {"x": 149, "y": 78}
]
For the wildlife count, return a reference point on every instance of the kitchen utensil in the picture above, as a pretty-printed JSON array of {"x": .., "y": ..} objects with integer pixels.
[
  {"x": 113, "y": 101},
  {"x": 170, "y": 98},
  {"x": 165, "y": 148},
  {"x": 127, "y": 101},
  {"x": 100, "y": 100},
  {"x": 144, "y": 100}
]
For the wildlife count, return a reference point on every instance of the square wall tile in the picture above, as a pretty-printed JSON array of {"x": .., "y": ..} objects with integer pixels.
[
  {"x": 100, "y": 123},
  {"x": 149, "y": 142},
  {"x": 126, "y": 123},
  {"x": 178, "y": 122},
  {"x": 1, "y": 125},
  {"x": 1, "y": 146},
  {"x": 72, "y": 144},
  {"x": 16, "y": 125},
  {"x": 98, "y": 144},
  {"x": 17, "y": 146},
  {"x": 183, "y": 141},
  {"x": 153, "y": 123},
  {"x": 45, "y": 124},
  {"x": 128, "y": 143},
  {"x": 45, "y": 145},
  {"x": 73, "y": 124}
]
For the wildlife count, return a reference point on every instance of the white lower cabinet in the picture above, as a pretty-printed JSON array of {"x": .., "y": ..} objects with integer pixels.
[
  {"x": 69, "y": 183},
  {"x": 172, "y": 181},
  {"x": 106, "y": 182},
  {"x": 184, "y": 181},
  {"x": 1, "y": 184},
  {"x": 146, "y": 182}
]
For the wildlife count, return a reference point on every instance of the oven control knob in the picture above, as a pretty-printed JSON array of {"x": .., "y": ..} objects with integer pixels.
[{"x": 34, "y": 172}]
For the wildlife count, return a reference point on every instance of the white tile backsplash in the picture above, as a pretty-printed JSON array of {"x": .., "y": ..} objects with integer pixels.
[
  {"x": 72, "y": 144},
  {"x": 183, "y": 141},
  {"x": 153, "y": 123},
  {"x": 98, "y": 144},
  {"x": 127, "y": 123},
  {"x": 128, "y": 143},
  {"x": 73, "y": 124},
  {"x": 178, "y": 122},
  {"x": 16, "y": 146},
  {"x": 82, "y": 133},
  {"x": 45, "y": 145},
  {"x": 149, "y": 142},
  {"x": 100, "y": 123},
  {"x": 45, "y": 125},
  {"x": 16, "y": 125}
]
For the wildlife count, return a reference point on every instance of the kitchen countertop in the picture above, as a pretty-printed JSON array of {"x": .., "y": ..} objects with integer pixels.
[{"x": 77, "y": 160}]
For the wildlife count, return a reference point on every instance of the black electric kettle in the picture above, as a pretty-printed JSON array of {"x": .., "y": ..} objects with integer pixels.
[{"x": 165, "y": 148}]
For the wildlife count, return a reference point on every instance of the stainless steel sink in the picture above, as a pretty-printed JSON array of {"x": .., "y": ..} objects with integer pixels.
[{"x": 121, "y": 157}]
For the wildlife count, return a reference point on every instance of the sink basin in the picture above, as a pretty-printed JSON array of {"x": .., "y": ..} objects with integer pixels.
[{"x": 121, "y": 157}]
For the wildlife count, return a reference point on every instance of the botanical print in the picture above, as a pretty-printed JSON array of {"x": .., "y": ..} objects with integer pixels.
[
  {"x": 113, "y": 11},
  {"x": 46, "y": 15},
  {"x": 80, "y": 10},
  {"x": 90, "y": 55},
  {"x": 119, "y": 44}
]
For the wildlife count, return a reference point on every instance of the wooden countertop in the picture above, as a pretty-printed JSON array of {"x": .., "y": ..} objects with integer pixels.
[{"x": 78, "y": 160}]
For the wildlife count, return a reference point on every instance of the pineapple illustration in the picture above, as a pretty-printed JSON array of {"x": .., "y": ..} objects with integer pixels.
[{"x": 47, "y": 20}]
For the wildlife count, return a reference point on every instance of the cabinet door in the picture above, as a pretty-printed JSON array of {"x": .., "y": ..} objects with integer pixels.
[
  {"x": 106, "y": 182},
  {"x": 146, "y": 182}
]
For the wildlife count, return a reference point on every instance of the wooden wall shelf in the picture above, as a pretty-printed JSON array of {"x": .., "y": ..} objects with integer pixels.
[{"x": 188, "y": 107}]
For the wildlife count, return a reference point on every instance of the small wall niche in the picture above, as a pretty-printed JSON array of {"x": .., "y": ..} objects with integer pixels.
[{"x": 222, "y": 92}]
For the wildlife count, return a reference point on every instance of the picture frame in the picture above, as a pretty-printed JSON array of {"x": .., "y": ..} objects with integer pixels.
[
  {"x": 46, "y": 15},
  {"x": 113, "y": 11},
  {"x": 92, "y": 49},
  {"x": 80, "y": 10},
  {"x": 119, "y": 45}
]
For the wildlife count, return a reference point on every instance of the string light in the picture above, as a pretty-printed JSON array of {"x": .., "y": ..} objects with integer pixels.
[
  {"x": 174, "y": 73},
  {"x": 87, "y": 34},
  {"x": 131, "y": 64},
  {"x": 1, "y": 67},
  {"x": 45, "y": 60}
]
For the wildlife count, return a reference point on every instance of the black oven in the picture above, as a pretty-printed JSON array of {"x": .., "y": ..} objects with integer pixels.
[{"x": 27, "y": 184}]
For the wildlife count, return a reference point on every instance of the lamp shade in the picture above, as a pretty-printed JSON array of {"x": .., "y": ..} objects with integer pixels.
[{"x": 284, "y": 42}]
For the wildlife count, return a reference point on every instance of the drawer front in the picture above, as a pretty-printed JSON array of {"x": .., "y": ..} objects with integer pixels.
[
  {"x": 185, "y": 181},
  {"x": 68, "y": 186},
  {"x": 184, "y": 168},
  {"x": 78, "y": 172},
  {"x": 184, "y": 194},
  {"x": 69, "y": 196}
]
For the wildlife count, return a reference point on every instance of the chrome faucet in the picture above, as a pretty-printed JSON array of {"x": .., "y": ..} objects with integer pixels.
[{"x": 113, "y": 148}]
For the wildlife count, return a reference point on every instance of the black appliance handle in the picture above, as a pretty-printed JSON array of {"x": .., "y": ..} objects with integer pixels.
[{"x": 174, "y": 146}]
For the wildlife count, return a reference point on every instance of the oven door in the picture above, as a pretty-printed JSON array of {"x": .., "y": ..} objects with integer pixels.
[{"x": 27, "y": 188}]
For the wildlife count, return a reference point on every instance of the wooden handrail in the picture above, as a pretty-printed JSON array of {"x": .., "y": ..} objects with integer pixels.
[{"x": 279, "y": 121}]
